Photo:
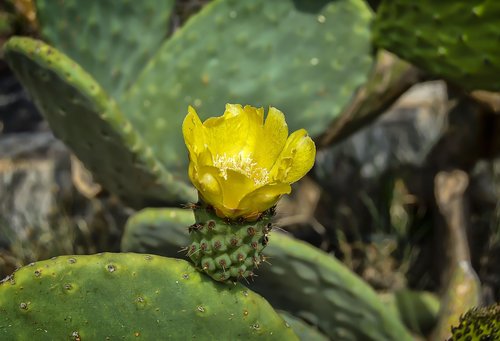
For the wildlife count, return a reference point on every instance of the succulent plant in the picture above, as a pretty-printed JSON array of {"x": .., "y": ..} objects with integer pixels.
[
  {"x": 90, "y": 123},
  {"x": 478, "y": 324},
  {"x": 241, "y": 164},
  {"x": 303, "y": 330},
  {"x": 121, "y": 112},
  {"x": 302, "y": 279},
  {"x": 112, "y": 41},
  {"x": 113, "y": 296},
  {"x": 115, "y": 90},
  {"x": 227, "y": 250},
  {"x": 449, "y": 39}
]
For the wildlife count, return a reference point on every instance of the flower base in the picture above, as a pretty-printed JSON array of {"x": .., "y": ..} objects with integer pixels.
[{"x": 228, "y": 250}]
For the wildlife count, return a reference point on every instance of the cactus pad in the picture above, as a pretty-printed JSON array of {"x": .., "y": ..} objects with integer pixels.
[
  {"x": 82, "y": 115},
  {"x": 303, "y": 330},
  {"x": 456, "y": 40},
  {"x": 130, "y": 296},
  {"x": 306, "y": 59},
  {"x": 228, "y": 250},
  {"x": 321, "y": 290},
  {"x": 144, "y": 227},
  {"x": 301, "y": 280},
  {"x": 111, "y": 40}
]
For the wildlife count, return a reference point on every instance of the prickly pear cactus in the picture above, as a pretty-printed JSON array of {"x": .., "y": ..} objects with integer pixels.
[
  {"x": 143, "y": 230},
  {"x": 130, "y": 296},
  {"x": 111, "y": 40},
  {"x": 228, "y": 250},
  {"x": 419, "y": 310},
  {"x": 306, "y": 58},
  {"x": 450, "y": 39},
  {"x": 85, "y": 118},
  {"x": 303, "y": 330},
  {"x": 301, "y": 280},
  {"x": 478, "y": 324},
  {"x": 321, "y": 290}
]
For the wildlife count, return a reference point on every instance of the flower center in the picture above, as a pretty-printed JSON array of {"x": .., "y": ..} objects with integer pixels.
[{"x": 242, "y": 164}]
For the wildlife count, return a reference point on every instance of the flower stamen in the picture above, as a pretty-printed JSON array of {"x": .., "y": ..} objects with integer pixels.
[{"x": 243, "y": 164}]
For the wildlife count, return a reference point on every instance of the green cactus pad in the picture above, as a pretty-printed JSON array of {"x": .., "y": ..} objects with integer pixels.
[
  {"x": 305, "y": 59},
  {"x": 304, "y": 331},
  {"x": 162, "y": 231},
  {"x": 478, "y": 324},
  {"x": 324, "y": 292},
  {"x": 130, "y": 296},
  {"x": 419, "y": 310},
  {"x": 144, "y": 228},
  {"x": 90, "y": 123},
  {"x": 111, "y": 40},
  {"x": 227, "y": 250},
  {"x": 302, "y": 280},
  {"x": 456, "y": 40}
]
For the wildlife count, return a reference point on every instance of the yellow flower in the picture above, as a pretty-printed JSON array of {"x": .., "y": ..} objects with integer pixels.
[{"x": 242, "y": 165}]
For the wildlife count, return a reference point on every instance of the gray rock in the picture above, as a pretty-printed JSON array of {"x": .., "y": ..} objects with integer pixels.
[
  {"x": 403, "y": 136},
  {"x": 35, "y": 174}
]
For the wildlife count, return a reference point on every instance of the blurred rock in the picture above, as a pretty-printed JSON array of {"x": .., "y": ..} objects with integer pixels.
[
  {"x": 354, "y": 172},
  {"x": 42, "y": 214},
  {"x": 379, "y": 185},
  {"x": 34, "y": 175},
  {"x": 403, "y": 136}
]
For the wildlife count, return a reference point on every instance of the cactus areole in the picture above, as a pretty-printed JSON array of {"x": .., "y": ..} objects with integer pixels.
[{"x": 241, "y": 165}]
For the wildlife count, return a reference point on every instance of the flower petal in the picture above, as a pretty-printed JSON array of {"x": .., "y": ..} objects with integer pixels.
[
  {"x": 236, "y": 132},
  {"x": 296, "y": 159},
  {"x": 194, "y": 133},
  {"x": 206, "y": 181},
  {"x": 223, "y": 190},
  {"x": 272, "y": 140},
  {"x": 234, "y": 187},
  {"x": 205, "y": 158},
  {"x": 262, "y": 198}
]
